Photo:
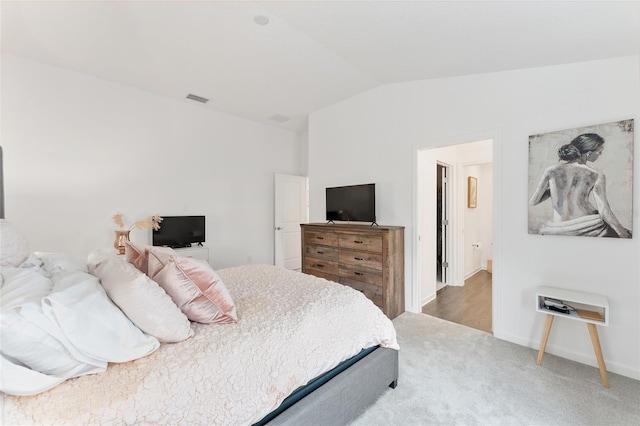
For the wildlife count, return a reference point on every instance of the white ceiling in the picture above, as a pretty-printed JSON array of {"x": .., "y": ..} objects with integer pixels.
[{"x": 311, "y": 54}]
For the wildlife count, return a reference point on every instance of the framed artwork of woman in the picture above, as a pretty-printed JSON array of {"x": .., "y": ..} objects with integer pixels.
[{"x": 581, "y": 181}]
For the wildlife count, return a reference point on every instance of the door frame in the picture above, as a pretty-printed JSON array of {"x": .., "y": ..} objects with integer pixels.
[
  {"x": 447, "y": 252},
  {"x": 422, "y": 238}
]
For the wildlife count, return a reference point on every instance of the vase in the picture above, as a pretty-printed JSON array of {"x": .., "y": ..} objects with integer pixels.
[{"x": 121, "y": 237}]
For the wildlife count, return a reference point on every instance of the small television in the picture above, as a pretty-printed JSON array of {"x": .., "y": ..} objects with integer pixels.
[
  {"x": 179, "y": 231},
  {"x": 355, "y": 203}
]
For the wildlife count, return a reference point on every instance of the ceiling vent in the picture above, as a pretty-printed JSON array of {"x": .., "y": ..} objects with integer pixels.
[
  {"x": 261, "y": 20},
  {"x": 279, "y": 118},
  {"x": 197, "y": 98}
]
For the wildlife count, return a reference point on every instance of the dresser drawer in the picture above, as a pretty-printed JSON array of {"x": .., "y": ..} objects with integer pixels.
[
  {"x": 321, "y": 252},
  {"x": 370, "y": 276},
  {"x": 324, "y": 266},
  {"x": 324, "y": 238},
  {"x": 373, "y": 292},
  {"x": 324, "y": 275},
  {"x": 361, "y": 258},
  {"x": 361, "y": 242}
]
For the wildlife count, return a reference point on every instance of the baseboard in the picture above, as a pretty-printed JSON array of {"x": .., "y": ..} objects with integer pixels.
[
  {"x": 475, "y": 271},
  {"x": 583, "y": 358},
  {"x": 428, "y": 299}
]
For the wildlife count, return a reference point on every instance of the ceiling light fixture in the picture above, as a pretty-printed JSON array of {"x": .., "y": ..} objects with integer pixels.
[
  {"x": 197, "y": 98},
  {"x": 261, "y": 20}
]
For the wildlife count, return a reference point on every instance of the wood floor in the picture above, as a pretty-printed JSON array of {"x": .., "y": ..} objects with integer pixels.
[{"x": 468, "y": 305}]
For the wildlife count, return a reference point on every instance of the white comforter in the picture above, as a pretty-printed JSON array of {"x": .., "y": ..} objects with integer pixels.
[
  {"x": 292, "y": 327},
  {"x": 57, "y": 322}
]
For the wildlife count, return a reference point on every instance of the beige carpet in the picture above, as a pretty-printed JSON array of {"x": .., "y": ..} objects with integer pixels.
[{"x": 454, "y": 375}]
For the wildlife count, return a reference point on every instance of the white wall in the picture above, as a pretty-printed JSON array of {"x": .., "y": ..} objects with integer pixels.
[
  {"x": 373, "y": 137},
  {"x": 478, "y": 228},
  {"x": 485, "y": 193},
  {"x": 78, "y": 149}
]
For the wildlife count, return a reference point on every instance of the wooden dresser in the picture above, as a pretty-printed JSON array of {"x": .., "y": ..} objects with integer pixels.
[{"x": 368, "y": 258}]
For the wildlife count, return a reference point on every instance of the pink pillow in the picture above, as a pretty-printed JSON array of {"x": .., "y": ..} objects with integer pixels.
[
  {"x": 196, "y": 288},
  {"x": 138, "y": 254}
]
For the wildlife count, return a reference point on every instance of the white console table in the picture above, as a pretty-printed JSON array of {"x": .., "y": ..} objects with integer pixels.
[
  {"x": 197, "y": 252},
  {"x": 591, "y": 309}
]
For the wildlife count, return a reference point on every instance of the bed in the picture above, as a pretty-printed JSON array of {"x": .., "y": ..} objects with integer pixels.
[{"x": 302, "y": 350}]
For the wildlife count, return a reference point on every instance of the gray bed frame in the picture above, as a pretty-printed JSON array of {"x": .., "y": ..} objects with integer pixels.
[{"x": 348, "y": 394}]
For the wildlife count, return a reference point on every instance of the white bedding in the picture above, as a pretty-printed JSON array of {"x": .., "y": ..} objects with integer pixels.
[
  {"x": 57, "y": 322},
  {"x": 291, "y": 328}
]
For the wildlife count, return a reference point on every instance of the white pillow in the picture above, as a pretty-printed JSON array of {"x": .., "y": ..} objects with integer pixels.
[
  {"x": 146, "y": 304},
  {"x": 14, "y": 248},
  {"x": 33, "y": 263},
  {"x": 54, "y": 263}
]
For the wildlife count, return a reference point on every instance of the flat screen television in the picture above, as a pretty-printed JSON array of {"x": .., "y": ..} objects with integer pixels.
[
  {"x": 355, "y": 203},
  {"x": 179, "y": 231}
]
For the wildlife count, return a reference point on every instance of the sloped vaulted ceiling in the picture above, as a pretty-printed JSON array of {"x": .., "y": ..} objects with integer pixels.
[{"x": 309, "y": 54}]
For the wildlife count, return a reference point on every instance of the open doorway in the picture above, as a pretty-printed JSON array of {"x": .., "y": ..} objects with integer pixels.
[
  {"x": 456, "y": 233},
  {"x": 442, "y": 224}
]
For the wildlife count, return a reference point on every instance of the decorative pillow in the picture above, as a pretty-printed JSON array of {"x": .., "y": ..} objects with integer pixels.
[
  {"x": 196, "y": 288},
  {"x": 142, "y": 300},
  {"x": 96, "y": 257},
  {"x": 138, "y": 254},
  {"x": 14, "y": 248}
]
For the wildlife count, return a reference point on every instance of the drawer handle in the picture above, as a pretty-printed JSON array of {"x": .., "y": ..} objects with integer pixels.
[
  {"x": 358, "y": 273},
  {"x": 320, "y": 238},
  {"x": 358, "y": 242},
  {"x": 319, "y": 266},
  {"x": 320, "y": 252}
]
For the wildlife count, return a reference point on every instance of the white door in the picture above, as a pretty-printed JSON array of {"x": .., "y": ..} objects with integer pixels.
[{"x": 291, "y": 209}]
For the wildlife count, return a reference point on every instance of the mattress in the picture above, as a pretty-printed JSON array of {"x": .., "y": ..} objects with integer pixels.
[{"x": 291, "y": 328}]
